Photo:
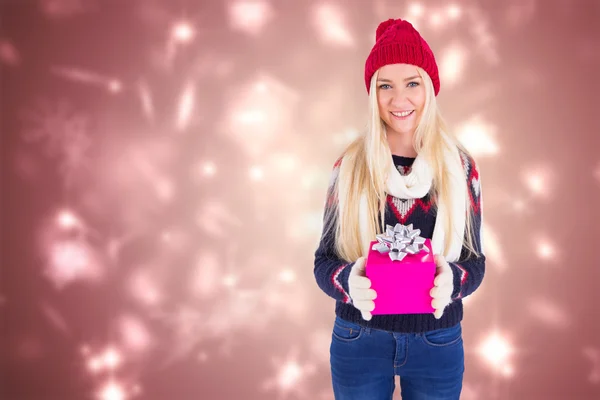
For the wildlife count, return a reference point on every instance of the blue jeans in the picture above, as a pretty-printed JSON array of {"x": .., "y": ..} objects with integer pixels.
[{"x": 364, "y": 362}]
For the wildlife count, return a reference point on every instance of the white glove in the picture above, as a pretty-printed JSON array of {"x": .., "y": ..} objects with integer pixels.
[
  {"x": 443, "y": 286},
  {"x": 360, "y": 289}
]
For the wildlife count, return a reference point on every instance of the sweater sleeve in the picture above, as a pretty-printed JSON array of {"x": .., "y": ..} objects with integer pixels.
[
  {"x": 331, "y": 272},
  {"x": 469, "y": 270}
]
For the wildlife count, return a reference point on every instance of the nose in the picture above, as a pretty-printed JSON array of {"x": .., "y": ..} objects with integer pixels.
[{"x": 399, "y": 98}]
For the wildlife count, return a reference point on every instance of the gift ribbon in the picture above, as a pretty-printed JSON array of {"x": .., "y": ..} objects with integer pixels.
[{"x": 399, "y": 241}]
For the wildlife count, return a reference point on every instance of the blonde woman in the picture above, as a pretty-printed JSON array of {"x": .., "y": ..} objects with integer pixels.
[{"x": 407, "y": 168}]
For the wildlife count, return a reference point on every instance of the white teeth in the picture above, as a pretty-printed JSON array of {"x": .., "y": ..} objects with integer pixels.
[{"x": 402, "y": 114}]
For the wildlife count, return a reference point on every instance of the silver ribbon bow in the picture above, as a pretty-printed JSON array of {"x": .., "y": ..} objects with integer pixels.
[{"x": 399, "y": 241}]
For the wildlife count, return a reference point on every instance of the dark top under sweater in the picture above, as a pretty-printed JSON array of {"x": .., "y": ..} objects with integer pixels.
[{"x": 331, "y": 272}]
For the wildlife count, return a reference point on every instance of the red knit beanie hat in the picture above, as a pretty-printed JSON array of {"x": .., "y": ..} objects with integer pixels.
[{"x": 398, "y": 42}]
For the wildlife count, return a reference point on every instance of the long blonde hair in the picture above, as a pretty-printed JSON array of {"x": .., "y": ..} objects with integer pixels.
[{"x": 363, "y": 169}]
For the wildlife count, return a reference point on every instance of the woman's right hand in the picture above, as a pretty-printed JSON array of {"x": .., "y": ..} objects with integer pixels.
[{"x": 360, "y": 289}]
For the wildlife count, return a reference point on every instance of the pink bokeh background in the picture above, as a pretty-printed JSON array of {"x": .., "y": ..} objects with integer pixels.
[{"x": 164, "y": 168}]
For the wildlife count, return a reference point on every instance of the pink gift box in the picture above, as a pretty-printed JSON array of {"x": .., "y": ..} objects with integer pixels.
[{"x": 402, "y": 286}]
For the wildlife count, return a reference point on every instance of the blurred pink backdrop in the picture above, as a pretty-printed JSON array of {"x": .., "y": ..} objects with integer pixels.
[{"x": 164, "y": 167}]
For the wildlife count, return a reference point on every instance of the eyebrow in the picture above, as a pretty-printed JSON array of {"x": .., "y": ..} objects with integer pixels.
[{"x": 405, "y": 79}]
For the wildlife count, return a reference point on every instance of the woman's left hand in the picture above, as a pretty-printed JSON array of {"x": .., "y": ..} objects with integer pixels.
[{"x": 443, "y": 286}]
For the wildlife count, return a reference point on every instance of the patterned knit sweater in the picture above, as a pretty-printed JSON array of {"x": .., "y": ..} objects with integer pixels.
[{"x": 332, "y": 273}]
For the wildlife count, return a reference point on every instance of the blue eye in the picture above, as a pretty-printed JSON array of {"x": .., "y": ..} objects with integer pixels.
[
  {"x": 385, "y": 84},
  {"x": 414, "y": 84}
]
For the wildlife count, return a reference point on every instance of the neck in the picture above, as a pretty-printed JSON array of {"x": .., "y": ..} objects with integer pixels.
[{"x": 401, "y": 144}]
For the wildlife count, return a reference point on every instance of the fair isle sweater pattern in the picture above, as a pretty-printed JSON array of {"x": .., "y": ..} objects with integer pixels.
[{"x": 331, "y": 272}]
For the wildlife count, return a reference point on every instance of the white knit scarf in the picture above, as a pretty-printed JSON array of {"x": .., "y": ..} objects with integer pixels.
[{"x": 416, "y": 185}]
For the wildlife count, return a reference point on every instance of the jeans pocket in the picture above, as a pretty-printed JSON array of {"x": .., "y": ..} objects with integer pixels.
[
  {"x": 443, "y": 337},
  {"x": 346, "y": 331}
]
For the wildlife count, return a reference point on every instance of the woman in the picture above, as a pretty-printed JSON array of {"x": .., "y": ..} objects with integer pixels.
[{"x": 407, "y": 168}]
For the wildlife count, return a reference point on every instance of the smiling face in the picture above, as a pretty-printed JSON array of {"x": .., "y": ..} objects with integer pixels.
[{"x": 401, "y": 97}]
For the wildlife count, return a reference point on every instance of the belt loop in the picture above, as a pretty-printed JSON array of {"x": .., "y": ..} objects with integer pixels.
[{"x": 367, "y": 330}]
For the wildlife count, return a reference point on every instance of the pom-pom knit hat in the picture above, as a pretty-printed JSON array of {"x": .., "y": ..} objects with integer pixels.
[{"x": 398, "y": 42}]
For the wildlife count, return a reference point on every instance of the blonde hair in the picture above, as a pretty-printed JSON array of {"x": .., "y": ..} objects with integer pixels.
[{"x": 363, "y": 169}]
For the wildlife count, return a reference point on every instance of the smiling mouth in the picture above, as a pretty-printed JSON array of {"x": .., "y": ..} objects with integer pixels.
[{"x": 402, "y": 114}]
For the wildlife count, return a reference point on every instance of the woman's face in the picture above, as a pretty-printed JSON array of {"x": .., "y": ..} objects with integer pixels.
[{"x": 401, "y": 97}]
